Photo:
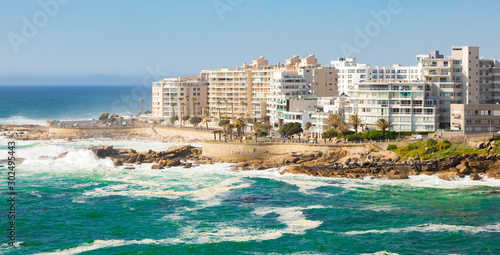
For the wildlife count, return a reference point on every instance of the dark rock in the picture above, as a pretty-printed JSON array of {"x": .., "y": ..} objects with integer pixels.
[
  {"x": 156, "y": 167},
  {"x": 173, "y": 162}
]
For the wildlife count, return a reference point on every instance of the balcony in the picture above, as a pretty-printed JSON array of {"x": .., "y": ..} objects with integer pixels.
[{"x": 437, "y": 74}]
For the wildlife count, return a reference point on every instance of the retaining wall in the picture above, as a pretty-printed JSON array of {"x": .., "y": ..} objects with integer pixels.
[{"x": 266, "y": 150}]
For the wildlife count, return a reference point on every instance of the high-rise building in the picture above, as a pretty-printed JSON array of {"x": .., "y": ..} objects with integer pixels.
[
  {"x": 185, "y": 95},
  {"x": 350, "y": 73},
  {"x": 244, "y": 91},
  {"x": 284, "y": 86}
]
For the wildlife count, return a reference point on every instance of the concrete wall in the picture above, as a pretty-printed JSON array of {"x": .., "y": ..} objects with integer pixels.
[
  {"x": 163, "y": 131},
  {"x": 266, "y": 150}
]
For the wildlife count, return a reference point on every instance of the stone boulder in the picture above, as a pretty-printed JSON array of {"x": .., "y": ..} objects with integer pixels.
[
  {"x": 173, "y": 162},
  {"x": 178, "y": 151},
  {"x": 102, "y": 151},
  {"x": 448, "y": 176}
]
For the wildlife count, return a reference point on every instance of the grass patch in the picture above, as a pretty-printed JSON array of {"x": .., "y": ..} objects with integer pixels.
[{"x": 436, "y": 149}]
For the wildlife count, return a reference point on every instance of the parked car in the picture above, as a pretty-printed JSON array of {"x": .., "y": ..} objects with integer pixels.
[{"x": 416, "y": 138}]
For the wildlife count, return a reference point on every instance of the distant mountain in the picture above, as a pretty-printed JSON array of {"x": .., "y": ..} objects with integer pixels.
[{"x": 98, "y": 79}]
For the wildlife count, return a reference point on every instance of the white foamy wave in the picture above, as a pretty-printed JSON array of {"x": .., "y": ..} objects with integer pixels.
[
  {"x": 100, "y": 244},
  {"x": 380, "y": 253},
  {"x": 379, "y": 208},
  {"x": 209, "y": 195},
  {"x": 495, "y": 228},
  {"x": 75, "y": 161},
  {"x": 21, "y": 120},
  {"x": 425, "y": 181},
  {"x": 306, "y": 186},
  {"x": 293, "y": 218}
]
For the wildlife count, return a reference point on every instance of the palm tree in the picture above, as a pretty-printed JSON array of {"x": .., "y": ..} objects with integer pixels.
[
  {"x": 142, "y": 105},
  {"x": 182, "y": 113},
  {"x": 232, "y": 109},
  {"x": 215, "y": 132},
  {"x": 383, "y": 124},
  {"x": 187, "y": 100},
  {"x": 355, "y": 121},
  {"x": 225, "y": 111},
  {"x": 240, "y": 124},
  {"x": 133, "y": 120},
  {"x": 194, "y": 105},
  {"x": 218, "y": 107},
  {"x": 344, "y": 130},
  {"x": 121, "y": 120},
  {"x": 206, "y": 122},
  {"x": 230, "y": 128},
  {"x": 334, "y": 120},
  {"x": 182, "y": 106},
  {"x": 173, "y": 108}
]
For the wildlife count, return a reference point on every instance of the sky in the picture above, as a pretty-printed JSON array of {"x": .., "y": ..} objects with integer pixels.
[{"x": 132, "y": 42}]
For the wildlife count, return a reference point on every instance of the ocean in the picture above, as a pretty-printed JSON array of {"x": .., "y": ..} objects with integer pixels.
[
  {"x": 80, "y": 204},
  {"x": 37, "y": 104}
]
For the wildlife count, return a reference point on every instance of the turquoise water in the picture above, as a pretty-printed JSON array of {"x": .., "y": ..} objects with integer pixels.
[
  {"x": 81, "y": 204},
  {"x": 36, "y": 104}
]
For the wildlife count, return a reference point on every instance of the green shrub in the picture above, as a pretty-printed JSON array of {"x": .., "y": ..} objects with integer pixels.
[
  {"x": 406, "y": 133},
  {"x": 391, "y": 147},
  {"x": 372, "y": 135},
  {"x": 443, "y": 145},
  {"x": 354, "y": 137},
  {"x": 430, "y": 142}
]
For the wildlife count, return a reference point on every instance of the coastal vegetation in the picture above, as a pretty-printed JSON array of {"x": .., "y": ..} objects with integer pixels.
[
  {"x": 290, "y": 129},
  {"x": 432, "y": 149}
]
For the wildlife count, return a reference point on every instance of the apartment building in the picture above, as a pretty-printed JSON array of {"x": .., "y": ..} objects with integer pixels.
[
  {"x": 325, "y": 107},
  {"x": 350, "y": 73},
  {"x": 468, "y": 84},
  {"x": 244, "y": 91},
  {"x": 410, "y": 106},
  {"x": 475, "y": 117},
  {"x": 283, "y": 87},
  {"x": 184, "y": 95}
]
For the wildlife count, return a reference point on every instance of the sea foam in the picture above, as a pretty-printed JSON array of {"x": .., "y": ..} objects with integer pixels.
[{"x": 494, "y": 228}]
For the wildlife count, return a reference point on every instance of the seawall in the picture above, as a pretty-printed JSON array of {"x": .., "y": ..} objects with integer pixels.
[
  {"x": 146, "y": 131},
  {"x": 238, "y": 151}
]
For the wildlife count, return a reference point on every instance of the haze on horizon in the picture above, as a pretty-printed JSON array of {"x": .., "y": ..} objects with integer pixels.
[{"x": 63, "y": 42}]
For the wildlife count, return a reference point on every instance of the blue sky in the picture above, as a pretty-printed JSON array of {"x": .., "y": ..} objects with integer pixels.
[{"x": 124, "y": 37}]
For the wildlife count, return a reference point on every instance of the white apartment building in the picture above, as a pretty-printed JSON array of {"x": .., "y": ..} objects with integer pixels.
[
  {"x": 350, "y": 73},
  {"x": 410, "y": 106},
  {"x": 326, "y": 106},
  {"x": 244, "y": 91},
  {"x": 283, "y": 87},
  {"x": 184, "y": 95}
]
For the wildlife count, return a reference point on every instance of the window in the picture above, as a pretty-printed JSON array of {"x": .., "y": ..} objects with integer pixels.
[
  {"x": 457, "y": 62},
  {"x": 351, "y": 71},
  {"x": 361, "y": 70},
  {"x": 363, "y": 76}
]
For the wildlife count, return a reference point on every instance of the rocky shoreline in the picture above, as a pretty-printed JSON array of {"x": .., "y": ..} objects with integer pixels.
[{"x": 335, "y": 163}]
